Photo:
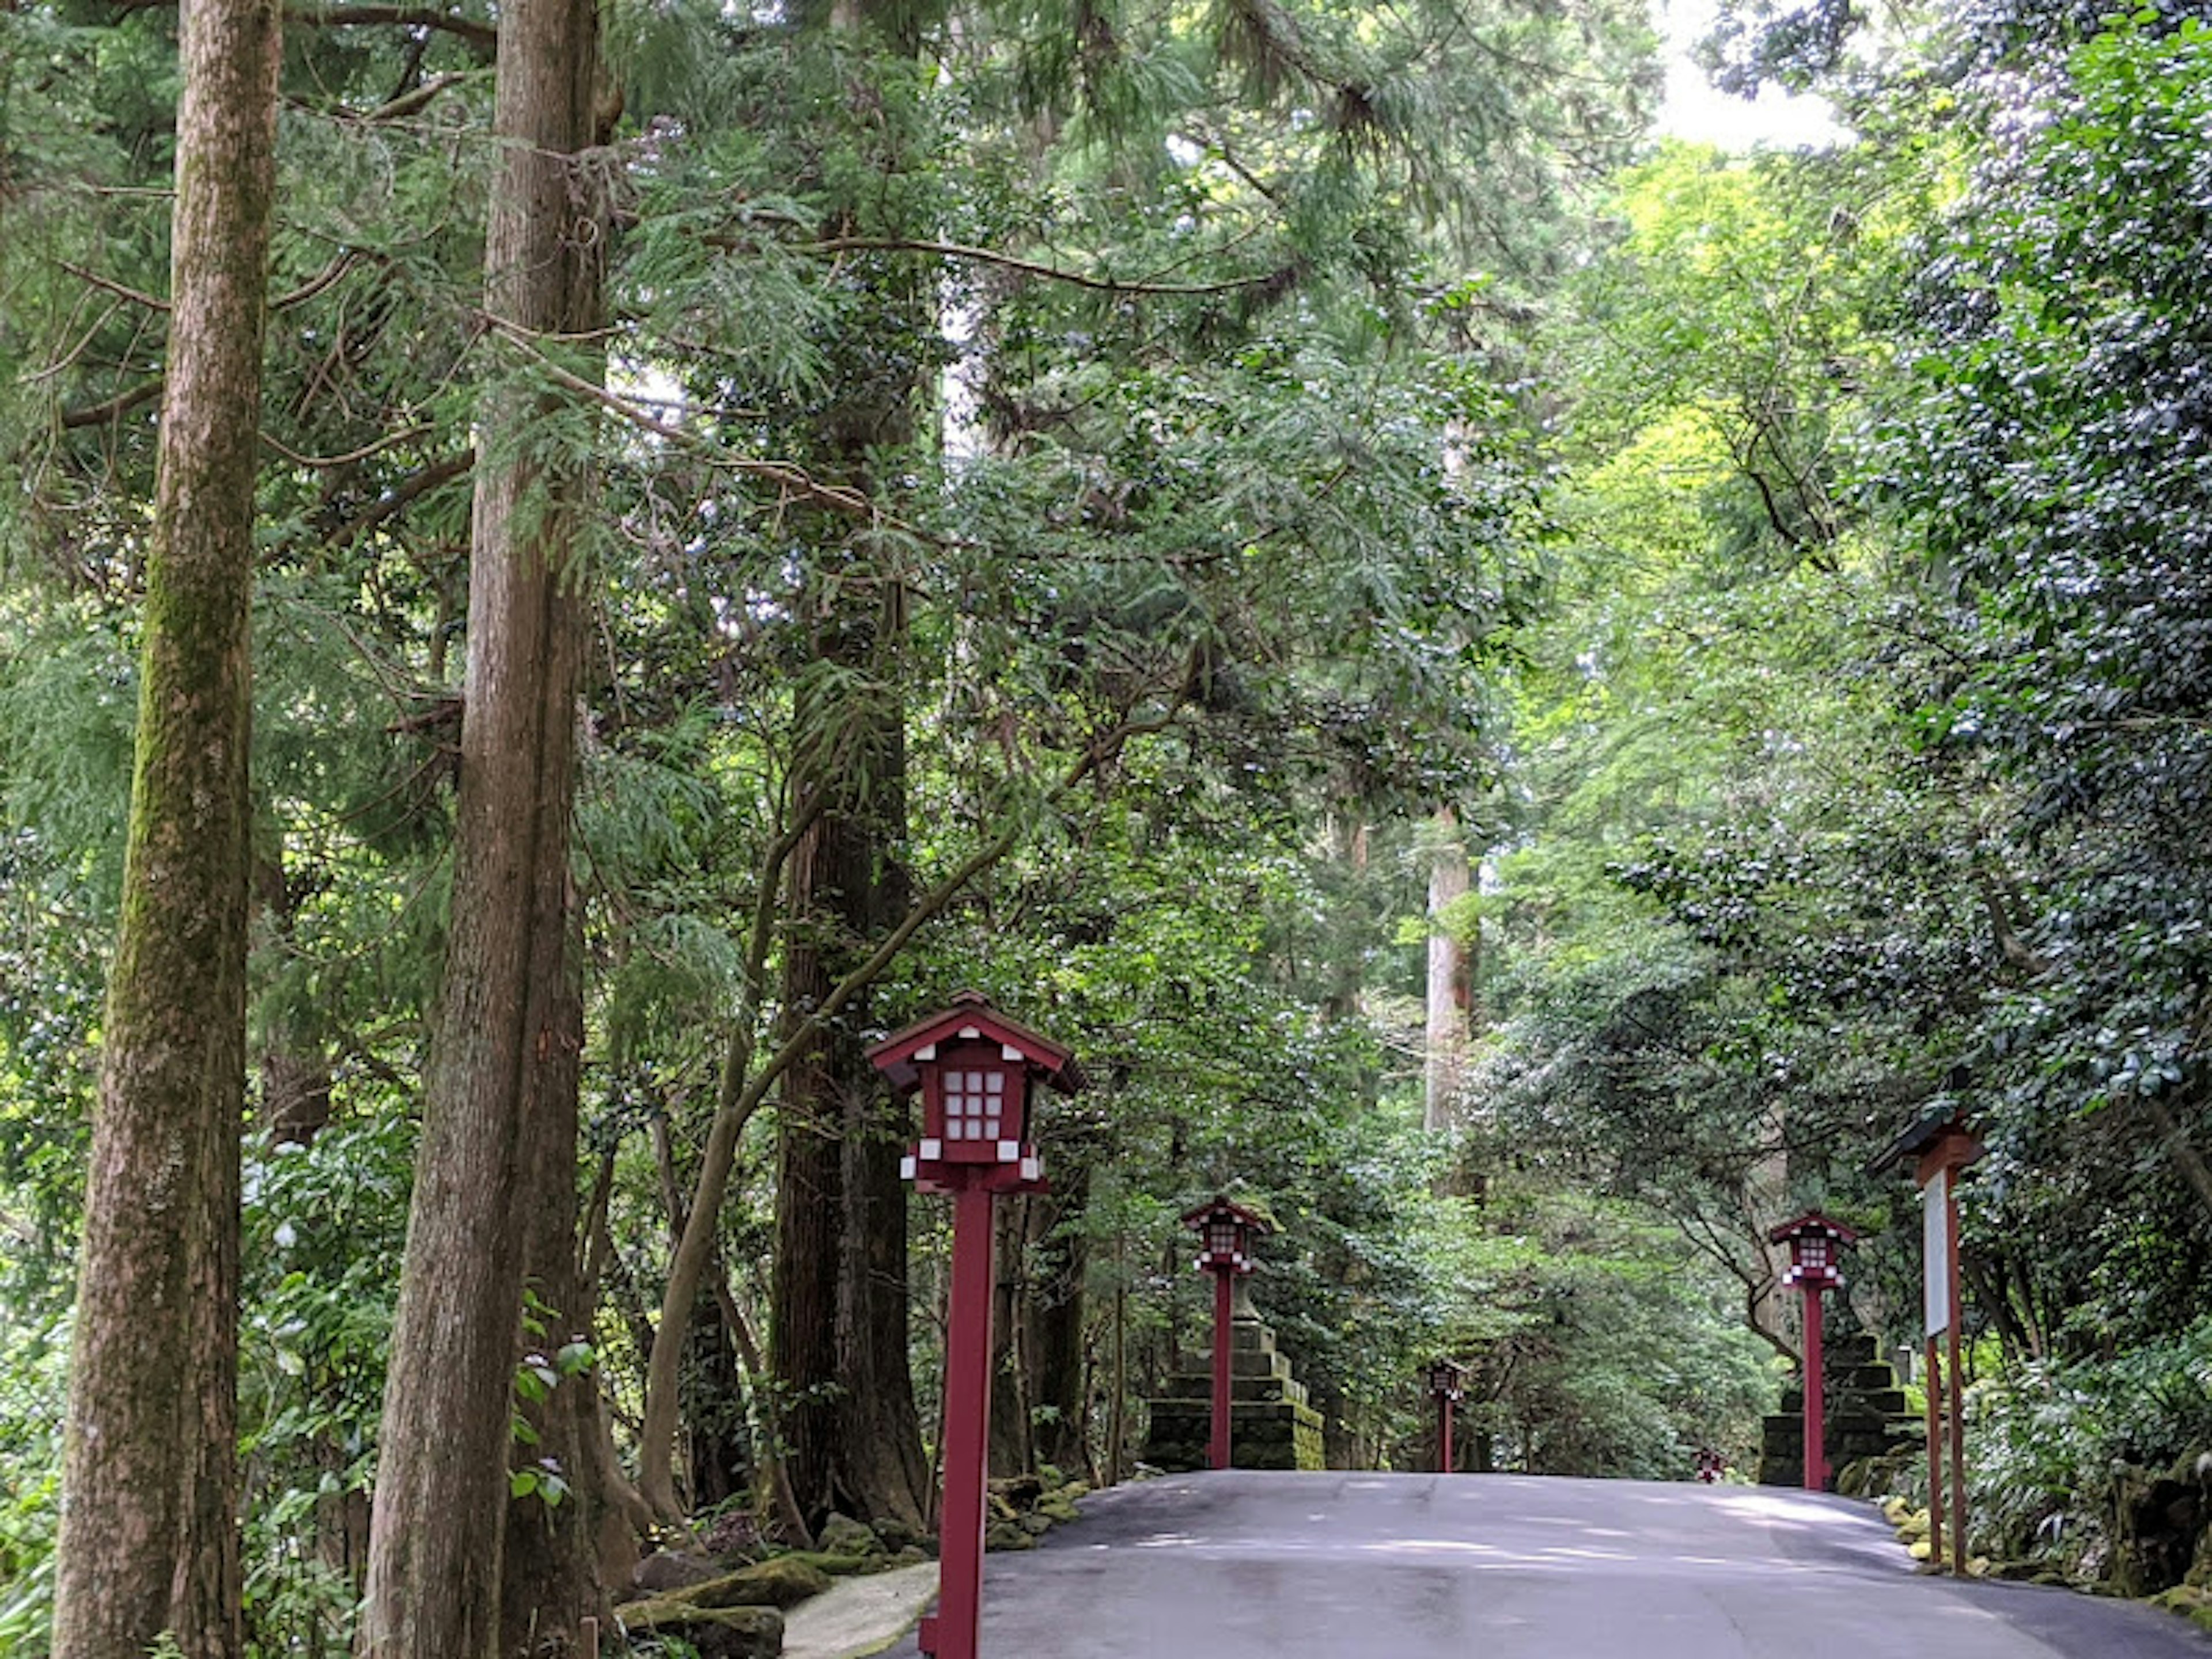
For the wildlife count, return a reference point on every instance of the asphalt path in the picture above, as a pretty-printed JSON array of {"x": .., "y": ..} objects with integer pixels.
[{"x": 1251, "y": 1565}]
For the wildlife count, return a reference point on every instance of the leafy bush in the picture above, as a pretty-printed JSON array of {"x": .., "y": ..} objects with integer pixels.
[
  {"x": 34, "y": 1391},
  {"x": 2054, "y": 1442}
]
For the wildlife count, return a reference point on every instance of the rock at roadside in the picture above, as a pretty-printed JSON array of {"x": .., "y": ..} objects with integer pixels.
[
  {"x": 843, "y": 1536},
  {"x": 669, "y": 1570},
  {"x": 781, "y": 1581},
  {"x": 713, "y": 1632}
]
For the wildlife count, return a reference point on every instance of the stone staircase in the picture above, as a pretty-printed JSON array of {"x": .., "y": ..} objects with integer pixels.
[
  {"x": 1271, "y": 1426},
  {"x": 1867, "y": 1416}
]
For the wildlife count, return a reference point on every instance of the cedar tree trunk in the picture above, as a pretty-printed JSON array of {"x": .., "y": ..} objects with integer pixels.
[
  {"x": 149, "y": 1530},
  {"x": 504, "y": 1044}
]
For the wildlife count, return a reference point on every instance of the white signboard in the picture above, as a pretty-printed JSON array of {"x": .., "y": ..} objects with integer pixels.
[{"x": 1935, "y": 1252}]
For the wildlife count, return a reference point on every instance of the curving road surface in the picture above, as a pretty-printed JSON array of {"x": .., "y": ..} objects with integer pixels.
[{"x": 1250, "y": 1565}]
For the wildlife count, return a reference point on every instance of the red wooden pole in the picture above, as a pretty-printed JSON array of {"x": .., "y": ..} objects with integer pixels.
[
  {"x": 1955, "y": 1391},
  {"x": 1444, "y": 1434},
  {"x": 953, "y": 1634},
  {"x": 1816, "y": 1451},
  {"x": 1217, "y": 1447},
  {"x": 1934, "y": 1386}
]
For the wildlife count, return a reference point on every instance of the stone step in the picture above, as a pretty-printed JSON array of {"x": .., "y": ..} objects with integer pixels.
[
  {"x": 1199, "y": 1385},
  {"x": 1246, "y": 1363},
  {"x": 1857, "y": 1350},
  {"x": 1283, "y": 1436},
  {"x": 1250, "y": 1336}
]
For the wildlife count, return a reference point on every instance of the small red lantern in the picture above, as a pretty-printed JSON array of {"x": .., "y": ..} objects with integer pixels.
[
  {"x": 1815, "y": 1243},
  {"x": 1447, "y": 1380},
  {"x": 1225, "y": 1232},
  {"x": 977, "y": 1072}
]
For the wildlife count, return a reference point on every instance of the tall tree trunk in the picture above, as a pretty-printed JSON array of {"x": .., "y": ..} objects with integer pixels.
[
  {"x": 149, "y": 1528},
  {"x": 854, "y": 1436},
  {"x": 839, "y": 1306},
  {"x": 1056, "y": 1391},
  {"x": 548, "y": 1579},
  {"x": 1449, "y": 991},
  {"x": 1012, "y": 1446},
  {"x": 504, "y": 1042},
  {"x": 295, "y": 1072}
]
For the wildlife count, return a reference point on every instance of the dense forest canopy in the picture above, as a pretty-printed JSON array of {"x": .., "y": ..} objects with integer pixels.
[{"x": 1528, "y": 695}]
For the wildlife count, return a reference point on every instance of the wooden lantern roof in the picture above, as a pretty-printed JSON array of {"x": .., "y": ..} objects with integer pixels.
[
  {"x": 1812, "y": 1222},
  {"x": 1218, "y": 1204},
  {"x": 971, "y": 1017}
]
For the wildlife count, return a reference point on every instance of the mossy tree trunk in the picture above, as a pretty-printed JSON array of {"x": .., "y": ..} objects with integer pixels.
[
  {"x": 499, "y": 1089},
  {"x": 149, "y": 1532},
  {"x": 838, "y": 1310}
]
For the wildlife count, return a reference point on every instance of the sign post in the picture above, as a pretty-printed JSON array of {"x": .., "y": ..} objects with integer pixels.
[
  {"x": 976, "y": 1072},
  {"x": 1943, "y": 1147}
]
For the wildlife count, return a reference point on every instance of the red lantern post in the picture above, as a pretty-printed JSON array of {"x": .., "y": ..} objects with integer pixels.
[
  {"x": 1814, "y": 1244},
  {"x": 1225, "y": 1234},
  {"x": 1447, "y": 1381},
  {"x": 977, "y": 1073}
]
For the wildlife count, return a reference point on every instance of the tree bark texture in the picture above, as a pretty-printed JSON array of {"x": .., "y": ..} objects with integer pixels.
[
  {"x": 1055, "y": 1316},
  {"x": 1449, "y": 991},
  {"x": 504, "y": 1045},
  {"x": 839, "y": 1311},
  {"x": 148, "y": 1538},
  {"x": 549, "y": 1580}
]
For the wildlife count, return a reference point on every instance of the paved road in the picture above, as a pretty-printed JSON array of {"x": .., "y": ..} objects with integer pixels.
[{"x": 1248, "y": 1565}]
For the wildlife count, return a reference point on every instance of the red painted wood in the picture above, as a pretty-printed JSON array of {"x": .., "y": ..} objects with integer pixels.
[
  {"x": 1816, "y": 1451},
  {"x": 1217, "y": 1447},
  {"x": 1934, "y": 1377},
  {"x": 953, "y": 1634},
  {"x": 1955, "y": 1390}
]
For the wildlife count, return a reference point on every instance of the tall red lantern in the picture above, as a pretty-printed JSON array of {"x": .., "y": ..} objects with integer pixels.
[
  {"x": 1227, "y": 1233},
  {"x": 1816, "y": 1245},
  {"x": 978, "y": 1074},
  {"x": 1447, "y": 1380}
]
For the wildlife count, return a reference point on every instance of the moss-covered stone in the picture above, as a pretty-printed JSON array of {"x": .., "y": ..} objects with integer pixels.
[
  {"x": 715, "y": 1632},
  {"x": 841, "y": 1534},
  {"x": 837, "y": 1566},
  {"x": 895, "y": 1534},
  {"x": 1007, "y": 1535},
  {"x": 781, "y": 1581},
  {"x": 2188, "y": 1600}
]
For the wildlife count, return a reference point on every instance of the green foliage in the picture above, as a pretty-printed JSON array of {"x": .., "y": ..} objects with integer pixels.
[
  {"x": 2060, "y": 1447},
  {"x": 34, "y": 1392},
  {"x": 1598, "y": 1342}
]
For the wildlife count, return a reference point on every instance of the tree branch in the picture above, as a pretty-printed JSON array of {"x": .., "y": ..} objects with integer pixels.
[
  {"x": 414, "y": 17},
  {"x": 114, "y": 408},
  {"x": 400, "y": 495},
  {"x": 327, "y": 462},
  {"x": 109, "y": 285},
  {"x": 838, "y": 498},
  {"x": 1032, "y": 268}
]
